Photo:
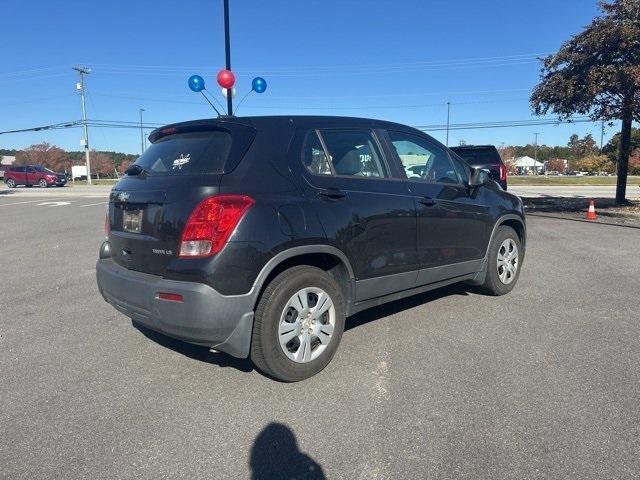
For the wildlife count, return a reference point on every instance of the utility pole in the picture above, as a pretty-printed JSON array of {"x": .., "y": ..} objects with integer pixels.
[
  {"x": 142, "y": 143},
  {"x": 535, "y": 165},
  {"x": 80, "y": 86},
  {"x": 227, "y": 52},
  {"x": 448, "y": 118}
]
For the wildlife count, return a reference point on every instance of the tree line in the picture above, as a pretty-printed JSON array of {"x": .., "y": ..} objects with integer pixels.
[
  {"x": 581, "y": 154},
  {"x": 104, "y": 164}
]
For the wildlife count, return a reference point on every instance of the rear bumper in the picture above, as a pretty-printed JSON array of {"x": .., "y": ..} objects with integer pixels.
[{"x": 204, "y": 317}]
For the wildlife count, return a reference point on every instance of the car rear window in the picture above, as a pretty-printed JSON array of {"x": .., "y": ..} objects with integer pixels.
[
  {"x": 187, "y": 154},
  {"x": 488, "y": 155}
]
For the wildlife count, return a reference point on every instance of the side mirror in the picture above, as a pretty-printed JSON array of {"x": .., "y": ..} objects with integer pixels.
[{"x": 479, "y": 176}]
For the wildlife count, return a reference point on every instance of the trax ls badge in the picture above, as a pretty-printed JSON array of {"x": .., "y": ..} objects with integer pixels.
[{"x": 159, "y": 251}]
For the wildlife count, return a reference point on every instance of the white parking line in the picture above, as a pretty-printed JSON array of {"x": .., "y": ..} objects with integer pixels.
[
  {"x": 53, "y": 204},
  {"x": 93, "y": 204},
  {"x": 20, "y": 203}
]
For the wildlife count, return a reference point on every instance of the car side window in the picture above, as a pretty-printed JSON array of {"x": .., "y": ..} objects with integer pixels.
[
  {"x": 354, "y": 153},
  {"x": 461, "y": 167},
  {"x": 422, "y": 160},
  {"x": 314, "y": 157}
]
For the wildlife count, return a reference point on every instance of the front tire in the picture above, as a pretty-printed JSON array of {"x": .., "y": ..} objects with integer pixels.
[
  {"x": 298, "y": 324},
  {"x": 504, "y": 262},
  {"x": 43, "y": 183},
  {"x": 11, "y": 183}
]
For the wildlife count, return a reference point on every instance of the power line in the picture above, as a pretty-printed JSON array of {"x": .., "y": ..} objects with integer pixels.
[
  {"x": 54, "y": 126},
  {"x": 331, "y": 68}
]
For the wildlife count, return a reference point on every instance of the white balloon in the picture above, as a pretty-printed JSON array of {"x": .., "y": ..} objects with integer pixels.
[{"x": 233, "y": 92}]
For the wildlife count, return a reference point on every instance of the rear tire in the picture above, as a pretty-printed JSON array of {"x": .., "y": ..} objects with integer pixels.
[
  {"x": 503, "y": 262},
  {"x": 11, "y": 183},
  {"x": 295, "y": 335}
]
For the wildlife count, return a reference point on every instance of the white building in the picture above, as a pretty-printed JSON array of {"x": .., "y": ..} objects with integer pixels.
[
  {"x": 5, "y": 161},
  {"x": 527, "y": 165}
]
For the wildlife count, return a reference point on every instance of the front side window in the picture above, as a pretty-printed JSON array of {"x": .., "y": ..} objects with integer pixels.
[
  {"x": 461, "y": 168},
  {"x": 423, "y": 161},
  {"x": 354, "y": 153}
]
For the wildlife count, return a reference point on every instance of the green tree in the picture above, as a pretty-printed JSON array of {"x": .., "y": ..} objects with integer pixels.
[
  {"x": 596, "y": 163},
  {"x": 613, "y": 147},
  {"x": 597, "y": 73}
]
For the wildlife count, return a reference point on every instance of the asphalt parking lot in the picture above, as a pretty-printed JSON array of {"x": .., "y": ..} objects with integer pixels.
[{"x": 542, "y": 383}]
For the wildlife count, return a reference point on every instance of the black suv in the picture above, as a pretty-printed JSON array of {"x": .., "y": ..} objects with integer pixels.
[
  {"x": 484, "y": 156},
  {"x": 259, "y": 236}
]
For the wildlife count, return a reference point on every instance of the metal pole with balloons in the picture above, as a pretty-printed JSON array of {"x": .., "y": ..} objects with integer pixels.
[{"x": 225, "y": 78}]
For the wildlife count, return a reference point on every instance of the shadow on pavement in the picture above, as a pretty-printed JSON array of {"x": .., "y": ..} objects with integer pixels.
[
  {"x": 398, "y": 306},
  {"x": 203, "y": 354},
  {"x": 275, "y": 455},
  {"x": 7, "y": 192},
  {"x": 196, "y": 352}
]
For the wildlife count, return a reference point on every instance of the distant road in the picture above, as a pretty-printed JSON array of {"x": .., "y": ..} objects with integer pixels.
[
  {"x": 582, "y": 191},
  {"x": 586, "y": 191}
]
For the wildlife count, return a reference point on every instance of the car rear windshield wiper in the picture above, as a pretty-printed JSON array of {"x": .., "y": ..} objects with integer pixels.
[{"x": 135, "y": 170}]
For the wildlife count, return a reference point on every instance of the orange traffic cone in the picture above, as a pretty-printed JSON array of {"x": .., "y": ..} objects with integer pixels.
[{"x": 591, "y": 213}]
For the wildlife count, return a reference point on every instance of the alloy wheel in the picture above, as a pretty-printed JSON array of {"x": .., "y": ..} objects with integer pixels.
[
  {"x": 507, "y": 261},
  {"x": 306, "y": 324}
]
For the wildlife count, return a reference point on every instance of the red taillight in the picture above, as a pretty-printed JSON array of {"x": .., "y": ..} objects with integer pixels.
[
  {"x": 171, "y": 297},
  {"x": 503, "y": 173},
  {"x": 211, "y": 223}
]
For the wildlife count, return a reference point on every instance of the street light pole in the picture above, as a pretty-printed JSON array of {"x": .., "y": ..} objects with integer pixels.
[
  {"x": 141, "y": 133},
  {"x": 84, "y": 71},
  {"x": 227, "y": 52}
]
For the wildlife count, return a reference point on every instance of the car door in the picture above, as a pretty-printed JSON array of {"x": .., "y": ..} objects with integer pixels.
[
  {"x": 20, "y": 175},
  {"x": 453, "y": 224},
  {"x": 31, "y": 176},
  {"x": 364, "y": 211}
]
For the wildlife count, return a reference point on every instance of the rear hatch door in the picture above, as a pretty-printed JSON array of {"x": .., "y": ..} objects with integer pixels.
[{"x": 150, "y": 206}]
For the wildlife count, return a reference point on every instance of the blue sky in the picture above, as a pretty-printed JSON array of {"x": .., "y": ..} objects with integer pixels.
[{"x": 399, "y": 60}]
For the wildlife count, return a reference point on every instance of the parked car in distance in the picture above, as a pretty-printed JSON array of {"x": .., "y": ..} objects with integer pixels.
[
  {"x": 552, "y": 173},
  {"x": 484, "y": 156},
  {"x": 258, "y": 236},
  {"x": 30, "y": 175}
]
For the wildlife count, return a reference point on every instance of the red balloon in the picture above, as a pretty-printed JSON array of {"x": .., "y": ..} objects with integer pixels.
[{"x": 226, "y": 78}]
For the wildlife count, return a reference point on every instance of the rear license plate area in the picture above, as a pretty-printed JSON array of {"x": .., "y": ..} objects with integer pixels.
[{"x": 132, "y": 221}]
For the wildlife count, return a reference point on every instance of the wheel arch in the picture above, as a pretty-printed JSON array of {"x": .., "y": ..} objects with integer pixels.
[
  {"x": 325, "y": 257},
  {"x": 514, "y": 221}
]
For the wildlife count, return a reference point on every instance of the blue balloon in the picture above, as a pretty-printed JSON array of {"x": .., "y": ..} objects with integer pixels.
[
  {"x": 196, "y": 83},
  {"x": 259, "y": 85}
]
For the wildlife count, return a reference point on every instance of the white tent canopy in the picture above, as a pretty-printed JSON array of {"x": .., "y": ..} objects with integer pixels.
[{"x": 528, "y": 162}]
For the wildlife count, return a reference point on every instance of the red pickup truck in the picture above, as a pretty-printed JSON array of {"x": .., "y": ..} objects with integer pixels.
[{"x": 30, "y": 175}]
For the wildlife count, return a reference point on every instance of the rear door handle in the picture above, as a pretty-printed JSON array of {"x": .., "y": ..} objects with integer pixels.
[
  {"x": 428, "y": 201},
  {"x": 332, "y": 193}
]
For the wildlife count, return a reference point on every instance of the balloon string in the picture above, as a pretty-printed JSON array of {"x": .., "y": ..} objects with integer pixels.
[
  {"x": 240, "y": 103},
  {"x": 216, "y": 99},
  {"x": 209, "y": 102}
]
